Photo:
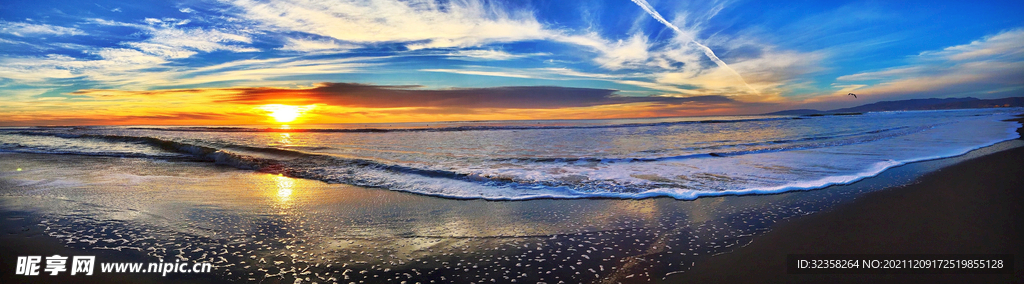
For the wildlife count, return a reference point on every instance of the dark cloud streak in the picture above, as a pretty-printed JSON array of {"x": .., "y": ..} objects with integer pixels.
[{"x": 520, "y": 97}]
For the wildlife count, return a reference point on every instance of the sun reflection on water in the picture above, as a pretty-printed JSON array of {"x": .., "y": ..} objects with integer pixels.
[{"x": 286, "y": 139}]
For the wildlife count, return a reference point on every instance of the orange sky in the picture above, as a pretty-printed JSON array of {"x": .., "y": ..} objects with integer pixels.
[{"x": 353, "y": 103}]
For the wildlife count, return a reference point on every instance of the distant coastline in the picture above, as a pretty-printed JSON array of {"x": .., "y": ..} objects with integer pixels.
[{"x": 915, "y": 104}]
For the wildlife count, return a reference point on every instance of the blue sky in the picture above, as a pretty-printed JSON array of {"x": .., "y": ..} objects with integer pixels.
[{"x": 735, "y": 57}]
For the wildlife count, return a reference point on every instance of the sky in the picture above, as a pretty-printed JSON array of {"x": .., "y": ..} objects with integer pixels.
[{"x": 234, "y": 62}]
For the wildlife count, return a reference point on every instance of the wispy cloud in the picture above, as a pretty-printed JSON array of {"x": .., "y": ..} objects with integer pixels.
[
  {"x": 612, "y": 55},
  {"x": 488, "y": 54},
  {"x": 134, "y": 63},
  {"x": 1007, "y": 45},
  {"x": 169, "y": 38},
  {"x": 417, "y": 24},
  {"x": 28, "y": 29},
  {"x": 313, "y": 45},
  {"x": 136, "y": 70},
  {"x": 707, "y": 51},
  {"x": 375, "y": 96}
]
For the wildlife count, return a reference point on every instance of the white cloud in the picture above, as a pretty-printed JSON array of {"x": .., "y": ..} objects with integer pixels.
[
  {"x": 161, "y": 50},
  {"x": 27, "y": 29},
  {"x": 683, "y": 61},
  {"x": 131, "y": 69},
  {"x": 770, "y": 70},
  {"x": 168, "y": 39},
  {"x": 634, "y": 79},
  {"x": 417, "y": 23},
  {"x": 186, "y": 10},
  {"x": 1009, "y": 44},
  {"x": 629, "y": 53},
  {"x": 489, "y": 54},
  {"x": 262, "y": 72},
  {"x": 115, "y": 64},
  {"x": 884, "y": 74},
  {"x": 311, "y": 45},
  {"x": 199, "y": 39}
]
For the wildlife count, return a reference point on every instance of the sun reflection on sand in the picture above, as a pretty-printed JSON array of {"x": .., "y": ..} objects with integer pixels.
[{"x": 284, "y": 190}]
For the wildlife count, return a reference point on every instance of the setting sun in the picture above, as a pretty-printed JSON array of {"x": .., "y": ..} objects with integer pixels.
[{"x": 285, "y": 113}]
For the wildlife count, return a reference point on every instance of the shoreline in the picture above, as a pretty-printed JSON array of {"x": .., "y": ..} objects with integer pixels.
[{"x": 932, "y": 215}]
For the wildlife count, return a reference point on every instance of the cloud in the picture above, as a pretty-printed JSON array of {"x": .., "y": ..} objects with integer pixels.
[
  {"x": 772, "y": 70},
  {"x": 629, "y": 53},
  {"x": 683, "y": 66},
  {"x": 641, "y": 80},
  {"x": 133, "y": 69},
  {"x": 417, "y": 24},
  {"x": 376, "y": 96},
  {"x": 980, "y": 68},
  {"x": 1008, "y": 45},
  {"x": 312, "y": 45},
  {"x": 138, "y": 64},
  {"x": 169, "y": 36},
  {"x": 26, "y": 29},
  {"x": 421, "y": 24},
  {"x": 490, "y": 54},
  {"x": 168, "y": 41},
  {"x": 707, "y": 51}
]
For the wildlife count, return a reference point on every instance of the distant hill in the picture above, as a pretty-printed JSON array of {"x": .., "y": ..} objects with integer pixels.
[{"x": 915, "y": 104}]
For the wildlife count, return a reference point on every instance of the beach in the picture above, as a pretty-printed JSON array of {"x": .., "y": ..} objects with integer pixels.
[
  {"x": 258, "y": 226},
  {"x": 488, "y": 141},
  {"x": 933, "y": 215}
]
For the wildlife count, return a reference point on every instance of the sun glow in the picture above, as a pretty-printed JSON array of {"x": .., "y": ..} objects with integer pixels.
[{"x": 285, "y": 113}]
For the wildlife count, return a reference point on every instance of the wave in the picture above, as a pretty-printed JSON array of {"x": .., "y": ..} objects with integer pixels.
[
  {"x": 753, "y": 147},
  {"x": 298, "y": 165},
  {"x": 198, "y": 152},
  {"x": 19, "y": 148}
]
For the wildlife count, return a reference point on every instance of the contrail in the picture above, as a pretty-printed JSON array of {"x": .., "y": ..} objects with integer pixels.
[{"x": 707, "y": 51}]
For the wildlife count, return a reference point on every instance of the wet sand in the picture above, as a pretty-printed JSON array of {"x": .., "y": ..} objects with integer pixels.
[{"x": 266, "y": 228}]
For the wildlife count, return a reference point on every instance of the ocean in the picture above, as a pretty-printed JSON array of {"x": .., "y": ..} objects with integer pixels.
[{"x": 683, "y": 158}]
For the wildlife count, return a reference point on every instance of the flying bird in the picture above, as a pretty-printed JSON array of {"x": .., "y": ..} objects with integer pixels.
[{"x": 852, "y": 94}]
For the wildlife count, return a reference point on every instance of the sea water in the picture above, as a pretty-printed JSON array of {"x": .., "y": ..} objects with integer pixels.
[{"x": 683, "y": 158}]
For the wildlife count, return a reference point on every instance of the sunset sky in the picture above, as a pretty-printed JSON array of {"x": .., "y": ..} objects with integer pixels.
[{"x": 236, "y": 62}]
